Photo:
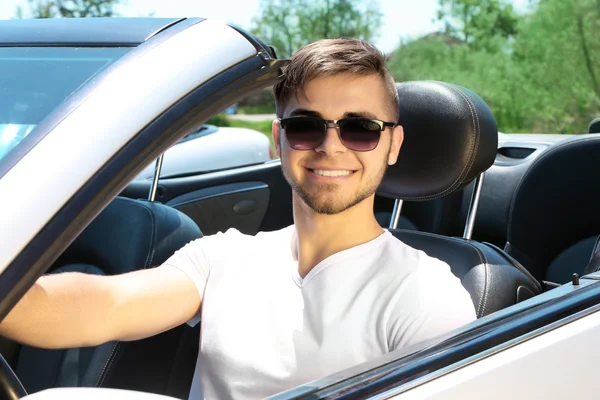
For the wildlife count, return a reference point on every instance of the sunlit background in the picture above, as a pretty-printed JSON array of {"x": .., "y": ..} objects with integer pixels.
[{"x": 536, "y": 62}]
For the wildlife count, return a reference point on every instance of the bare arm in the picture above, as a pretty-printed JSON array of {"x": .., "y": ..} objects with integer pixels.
[{"x": 76, "y": 310}]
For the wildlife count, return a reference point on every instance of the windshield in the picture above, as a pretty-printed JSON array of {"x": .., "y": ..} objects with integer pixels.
[{"x": 34, "y": 80}]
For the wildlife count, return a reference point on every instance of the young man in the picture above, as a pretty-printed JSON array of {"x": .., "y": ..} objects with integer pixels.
[{"x": 281, "y": 308}]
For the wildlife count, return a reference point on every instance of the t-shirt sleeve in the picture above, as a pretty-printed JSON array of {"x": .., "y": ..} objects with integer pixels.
[
  {"x": 436, "y": 304},
  {"x": 192, "y": 260}
]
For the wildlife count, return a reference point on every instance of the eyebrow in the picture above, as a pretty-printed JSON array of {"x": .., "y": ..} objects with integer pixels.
[
  {"x": 304, "y": 112},
  {"x": 350, "y": 114}
]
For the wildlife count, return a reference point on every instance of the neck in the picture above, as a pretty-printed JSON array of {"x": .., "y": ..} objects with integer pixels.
[{"x": 320, "y": 236}]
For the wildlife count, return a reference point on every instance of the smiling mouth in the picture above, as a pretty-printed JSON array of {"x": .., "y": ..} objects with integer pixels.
[{"x": 332, "y": 173}]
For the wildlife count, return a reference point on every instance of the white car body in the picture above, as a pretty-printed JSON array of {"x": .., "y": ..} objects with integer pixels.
[
  {"x": 554, "y": 361},
  {"x": 222, "y": 148}
]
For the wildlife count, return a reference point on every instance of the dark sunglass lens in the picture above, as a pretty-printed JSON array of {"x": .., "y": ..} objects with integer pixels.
[
  {"x": 304, "y": 133},
  {"x": 360, "y": 134}
]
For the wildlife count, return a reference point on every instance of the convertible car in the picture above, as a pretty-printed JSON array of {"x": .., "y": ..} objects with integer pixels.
[{"x": 515, "y": 216}]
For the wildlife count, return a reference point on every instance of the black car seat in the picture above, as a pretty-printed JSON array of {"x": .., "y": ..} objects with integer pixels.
[
  {"x": 433, "y": 216},
  {"x": 127, "y": 235},
  {"x": 450, "y": 138},
  {"x": 553, "y": 219}
]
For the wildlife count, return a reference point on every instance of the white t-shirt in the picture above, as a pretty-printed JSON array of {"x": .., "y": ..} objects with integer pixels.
[{"x": 265, "y": 329}]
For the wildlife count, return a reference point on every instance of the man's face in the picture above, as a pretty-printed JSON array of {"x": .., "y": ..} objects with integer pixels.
[{"x": 331, "y": 178}]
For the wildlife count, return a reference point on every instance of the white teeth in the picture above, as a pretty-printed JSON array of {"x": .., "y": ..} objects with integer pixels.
[{"x": 332, "y": 173}]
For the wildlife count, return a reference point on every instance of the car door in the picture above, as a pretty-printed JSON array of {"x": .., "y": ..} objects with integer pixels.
[
  {"x": 87, "y": 149},
  {"x": 250, "y": 199}
]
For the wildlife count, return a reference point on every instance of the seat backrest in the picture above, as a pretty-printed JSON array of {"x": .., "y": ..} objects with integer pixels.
[
  {"x": 493, "y": 279},
  {"x": 555, "y": 209},
  {"x": 450, "y": 138},
  {"x": 127, "y": 235}
]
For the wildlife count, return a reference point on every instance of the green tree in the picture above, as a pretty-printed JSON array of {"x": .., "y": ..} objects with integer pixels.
[
  {"x": 480, "y": 23},
  {"x": 540, "y": 74},
  {"x": 559, "y": 54},
  {"x": 494, "y": 76},
  {"x": 289, "y": 24},
  {"x": 69, "y": 8}
]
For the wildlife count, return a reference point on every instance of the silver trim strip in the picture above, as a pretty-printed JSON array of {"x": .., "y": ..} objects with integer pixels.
[
  {"x": 473, "y": 207},
  {"x": 154, "y": 186},
  {"x": 485, "y": 354},
  {"x": 396, "y": 214}
]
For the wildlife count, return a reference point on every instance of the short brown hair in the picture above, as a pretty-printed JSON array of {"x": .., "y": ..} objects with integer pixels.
[{"x": 328, "y": 57}]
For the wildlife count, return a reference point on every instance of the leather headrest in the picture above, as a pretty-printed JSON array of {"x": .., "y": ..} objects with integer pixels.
[{"x": 450, "y": 137}]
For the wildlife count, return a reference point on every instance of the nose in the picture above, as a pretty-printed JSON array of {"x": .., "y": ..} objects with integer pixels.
[{"x": 332, "y": 143}]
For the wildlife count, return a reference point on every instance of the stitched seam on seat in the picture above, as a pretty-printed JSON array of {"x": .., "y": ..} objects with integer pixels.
[
  {"x": 473, "y": 146},
  {"x": 476, "y": 126},
  {"x": 462, "y": 174},
  {"x": 480, "y": 254},
  {"x": 472, "y": 152},
  {"x": 434, "y": 235},
  {"x": 150, "y": 255},
  {"x": 514, "y": 262},
  {"x": 575, "y": 142},
  {"x": 107, "y": 365},
  {"x": 485, "y": 291}
]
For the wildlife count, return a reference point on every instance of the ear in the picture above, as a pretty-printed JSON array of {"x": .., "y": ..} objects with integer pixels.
[
  {"x": 276, "y": 132},
  {"x": 397, "y": 139}
]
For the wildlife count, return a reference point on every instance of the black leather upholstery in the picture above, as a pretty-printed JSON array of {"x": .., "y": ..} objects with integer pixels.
[
  {"x": 450, "y": 137},
  {"x": 556, "y": 204},
  {"x": 128, "y": 235},
  {"x": 572, "y": 260},
  {"x": 594, "y": 264},
  {"x": 494, "y": 280}
]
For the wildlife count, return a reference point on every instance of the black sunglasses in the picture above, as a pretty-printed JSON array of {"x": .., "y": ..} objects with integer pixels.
[{"x": 357, "y": 134}]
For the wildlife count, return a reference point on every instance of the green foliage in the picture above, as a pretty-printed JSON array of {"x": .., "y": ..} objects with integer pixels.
[
  {"x": 539, "y": 72},
  {"x": 559, "y": 51},
  {"x": 288, "y": 25},
  {"x": 69, "y": 8},
  {"x": 479, "y": 23},
  {"x": 257, "y": 109},
  {"x": 219, "y": 120}
]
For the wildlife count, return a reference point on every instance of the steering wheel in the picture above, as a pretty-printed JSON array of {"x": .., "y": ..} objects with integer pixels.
[{"x": 10, "y": 386}]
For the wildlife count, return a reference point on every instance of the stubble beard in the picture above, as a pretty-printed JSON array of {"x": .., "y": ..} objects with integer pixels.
[{"x": 330, "y": 206}]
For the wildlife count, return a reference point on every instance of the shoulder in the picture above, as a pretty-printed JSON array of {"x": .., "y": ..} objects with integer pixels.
[
  {"x": 415, "y": 262},
  {"x": 426, "y": 275},
  {"x": 233, "y": 241},
  {"x": 431, "y": 300}
]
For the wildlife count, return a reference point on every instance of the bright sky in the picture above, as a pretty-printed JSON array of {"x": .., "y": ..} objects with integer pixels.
[{"x": 402, "y": 18}]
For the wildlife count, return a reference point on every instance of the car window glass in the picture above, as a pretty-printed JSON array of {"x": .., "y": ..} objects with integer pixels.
[
  {"x": 228, "y": 140},
  {"x": 33, "y": 81}
]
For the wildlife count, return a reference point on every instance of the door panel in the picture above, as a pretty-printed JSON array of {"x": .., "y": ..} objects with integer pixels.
[
  {"x": 242, "y": 205},
  {"x": 250, "y": 199}
]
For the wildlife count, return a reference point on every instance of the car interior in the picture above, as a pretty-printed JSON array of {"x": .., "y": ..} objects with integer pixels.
[{"x": 510, "y": 218}]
